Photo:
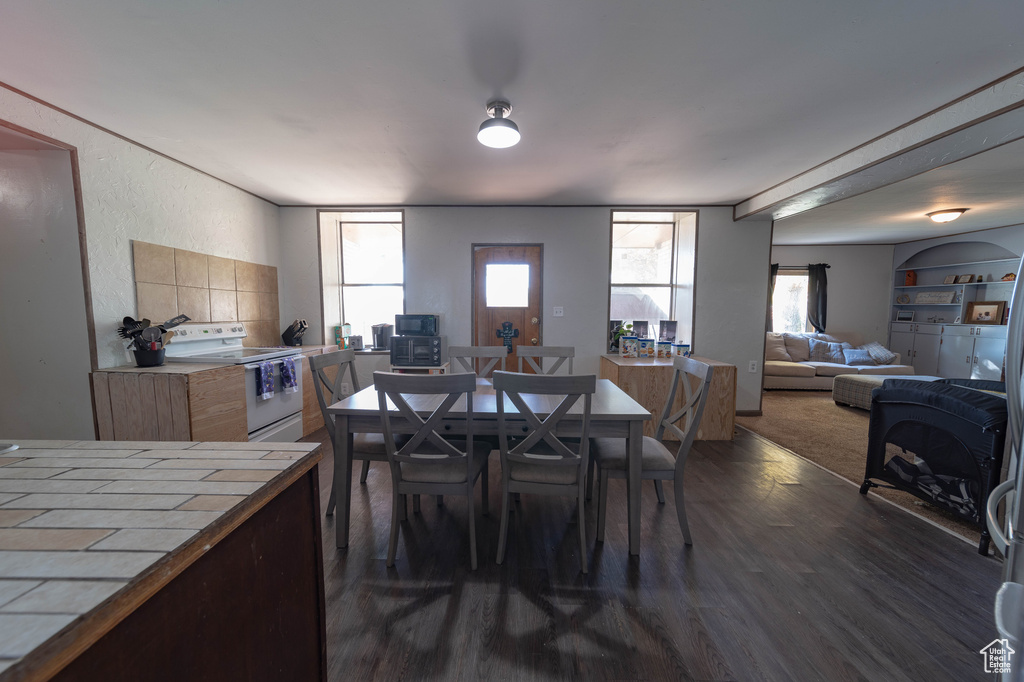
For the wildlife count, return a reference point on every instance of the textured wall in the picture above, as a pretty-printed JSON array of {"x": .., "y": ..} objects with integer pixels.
[{"x": 130, "y": 193}]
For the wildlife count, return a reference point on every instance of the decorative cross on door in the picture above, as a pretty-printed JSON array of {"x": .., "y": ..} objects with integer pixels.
[{"x": 507, "y": 333}]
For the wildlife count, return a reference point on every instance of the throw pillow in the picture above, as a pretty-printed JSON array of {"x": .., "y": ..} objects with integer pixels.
[
  {"x": 775, "y": 348},
  {"x": 858, "y": 356},
  {"x": 879, "y": 353},
  {"x": 796, "y": 347},
  {"x": 823, "y": 351}
]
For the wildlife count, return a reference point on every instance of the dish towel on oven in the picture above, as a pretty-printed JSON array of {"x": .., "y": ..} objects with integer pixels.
[
  {"x": 265, "y": 380},
  {"x": 289, "y": 384}
]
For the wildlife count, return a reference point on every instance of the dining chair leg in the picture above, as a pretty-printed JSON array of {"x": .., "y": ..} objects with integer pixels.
[
  {"x": 590, "y": 479},
  {"x": 660, "y": 491},
  {"x": 415, "y": 504},
  {"x": 471, "y": 503},
  {"x": 602, "y": 503},
  {"x": 484, "y": 495},
  {"x": 402, "y": 512},
  {"x": 583, "y": 530},
  {"x": 396, "y": 499},
  {"x": 332, "y": 502},
  {"x": 440, "y": 500},
  {"x": 681, "y": 509},
  {"x": 364, "y": 472},
  {"x": 503, "y": 531}
]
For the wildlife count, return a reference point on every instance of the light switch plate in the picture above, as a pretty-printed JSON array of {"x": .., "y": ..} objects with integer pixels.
[{"x": 559, "y": 311}]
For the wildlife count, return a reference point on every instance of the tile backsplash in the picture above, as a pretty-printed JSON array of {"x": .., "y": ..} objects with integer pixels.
[{"x": 171, "y": 281}]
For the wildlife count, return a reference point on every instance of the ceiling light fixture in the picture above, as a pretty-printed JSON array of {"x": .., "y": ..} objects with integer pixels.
[
  {"x": 498, "y": 132},
  {"x": 946, "y": 214}
]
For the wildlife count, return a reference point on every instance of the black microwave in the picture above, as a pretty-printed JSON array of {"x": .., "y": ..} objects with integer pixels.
[
  {"x": 417, "y": 325},
  {"x": 418, "y": 351}
]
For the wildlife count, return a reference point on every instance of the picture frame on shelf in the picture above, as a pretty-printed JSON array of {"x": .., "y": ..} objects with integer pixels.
[
  {"x": 950, "y": 279},
  {"x": 964, "y": 279},
  {"x": 903, "y": 299},
  {"x": 904, "y": 315},
  {"x": 985, "y": 312}
]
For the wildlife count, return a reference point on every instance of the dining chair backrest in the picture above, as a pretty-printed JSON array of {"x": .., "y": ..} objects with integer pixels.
[
  {"x": 534, "y": 357},
  {"x": 536, "y": 438},
  {"x": 695, "y": 378},
  {"x": 464, "y": 358},
  {"x": 407, "y": 395},
  {"x": 329, "y": 371}
]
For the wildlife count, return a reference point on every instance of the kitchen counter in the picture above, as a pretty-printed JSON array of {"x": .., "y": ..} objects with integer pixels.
[{"x": 115, "y": 557}]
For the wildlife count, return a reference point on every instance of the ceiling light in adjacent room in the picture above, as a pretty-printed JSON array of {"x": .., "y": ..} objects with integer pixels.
[
  {"x": 498, "y": 132},
  {"x": 947, "y": 214}
]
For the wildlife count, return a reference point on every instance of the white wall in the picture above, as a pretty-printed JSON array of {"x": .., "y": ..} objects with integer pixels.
[
  {"x": 859, "y": 287},
  {"x": 439, "y": 268},
  {"x": 129, "y": 193},
  {"x": 732, "y": 292},
  {"x": 298, "y": 272},
  {"x": 45, "y": 356}
]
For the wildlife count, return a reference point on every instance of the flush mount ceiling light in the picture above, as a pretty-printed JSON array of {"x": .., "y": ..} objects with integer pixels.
[
  {"x": 498, "y": 132},
  {"x": 946, "y": 214}
]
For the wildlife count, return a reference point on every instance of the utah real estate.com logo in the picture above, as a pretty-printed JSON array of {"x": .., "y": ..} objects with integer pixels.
[{"x": 998, "y": 656}]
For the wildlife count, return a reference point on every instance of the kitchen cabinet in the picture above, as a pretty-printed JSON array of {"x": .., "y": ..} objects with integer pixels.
[
  {"x": 648, "y": 380},
  {"x": 176, "y": 401}
]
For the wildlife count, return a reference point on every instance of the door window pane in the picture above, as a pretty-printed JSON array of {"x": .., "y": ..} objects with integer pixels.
[
  {"x": 789, "y": 303},
  {"x": 507, "y": 285}
]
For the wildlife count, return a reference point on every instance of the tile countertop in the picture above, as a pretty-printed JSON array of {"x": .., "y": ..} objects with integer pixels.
[{"x": 89, "y": 527}]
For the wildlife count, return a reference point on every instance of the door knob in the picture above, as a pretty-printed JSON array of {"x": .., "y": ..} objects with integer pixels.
[
  {"x": 533, "y": 341},
  {"x": 534, "y": 320}
]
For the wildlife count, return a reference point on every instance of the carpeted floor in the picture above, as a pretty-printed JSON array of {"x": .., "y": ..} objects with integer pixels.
[{"x": 835, "y": 437}]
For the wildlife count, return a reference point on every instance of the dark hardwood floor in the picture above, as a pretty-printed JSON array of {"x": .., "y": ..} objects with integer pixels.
[{"x": 793, "y": 575}]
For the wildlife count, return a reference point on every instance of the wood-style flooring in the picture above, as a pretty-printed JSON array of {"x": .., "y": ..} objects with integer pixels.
[{"x": 793, "y": 575}]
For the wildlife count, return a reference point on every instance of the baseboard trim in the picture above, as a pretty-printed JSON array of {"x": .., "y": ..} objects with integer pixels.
[{"x": 748, "y": 413}]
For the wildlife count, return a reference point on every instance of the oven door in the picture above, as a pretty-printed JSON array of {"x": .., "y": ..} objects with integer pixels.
[{"x": 261, "y": 413}]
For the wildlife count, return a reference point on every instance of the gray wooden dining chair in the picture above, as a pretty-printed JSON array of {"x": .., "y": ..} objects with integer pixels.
[
  {"x": 479, "y": 359},
  {"x": 432, "y": 461},
  {"x": 658, "y": 462},
  {"x": 535, "y": 457},
  {"x": 534, "y": 358},
  {"x": 329, "y": 371}
]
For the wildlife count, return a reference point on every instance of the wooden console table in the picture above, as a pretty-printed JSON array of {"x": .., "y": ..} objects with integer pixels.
[{"x": 647, "y": 381}]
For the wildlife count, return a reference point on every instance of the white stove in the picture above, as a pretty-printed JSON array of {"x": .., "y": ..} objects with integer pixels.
[
  {"x": 221, "y": 343},
  {"x": 277, "y": 418}
]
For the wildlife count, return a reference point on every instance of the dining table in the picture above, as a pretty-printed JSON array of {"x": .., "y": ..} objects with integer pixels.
[{"x": 614, "y": 414}]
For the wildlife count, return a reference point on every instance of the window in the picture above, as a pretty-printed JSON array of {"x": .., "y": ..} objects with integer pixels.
[
  {"x": 652, "y": 261},
  {"x": 508, "y": 285},
  {"x": 789, "y": 301},
  {"x": 362, "y": 269}
]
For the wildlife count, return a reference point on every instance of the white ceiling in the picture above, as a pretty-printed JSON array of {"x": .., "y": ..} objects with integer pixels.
[{"x": 664, "y": 102}]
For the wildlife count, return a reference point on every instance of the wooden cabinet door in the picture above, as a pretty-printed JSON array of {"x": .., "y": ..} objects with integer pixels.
[{"x": 216, "y": 400}]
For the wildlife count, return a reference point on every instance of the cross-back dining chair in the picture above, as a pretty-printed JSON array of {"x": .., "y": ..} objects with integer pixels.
[
  {"x": 535, "y": 457},
  {"x": 329, "y": 371},
  {"x": 534, "y": 358},
  {"x": 659, "y": 463},
  {"x": 431, "y": 461},
  {"x": 464, "y": 358}
]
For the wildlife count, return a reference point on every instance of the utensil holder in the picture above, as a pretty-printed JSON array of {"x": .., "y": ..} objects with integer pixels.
[{"x": 149, "y": 358}]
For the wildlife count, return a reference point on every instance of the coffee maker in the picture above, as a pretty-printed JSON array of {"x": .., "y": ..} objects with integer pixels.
[{"x": 382, "y": 336}]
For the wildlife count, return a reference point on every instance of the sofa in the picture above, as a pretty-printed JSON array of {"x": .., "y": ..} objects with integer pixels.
[{"x": 810, "y": 361}]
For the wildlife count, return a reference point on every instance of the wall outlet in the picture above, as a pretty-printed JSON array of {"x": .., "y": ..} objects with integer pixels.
[
  {"x": 752, "y": 367},
  {"x": 346, "y": 388},
  {"x": 559, "y": 311}
]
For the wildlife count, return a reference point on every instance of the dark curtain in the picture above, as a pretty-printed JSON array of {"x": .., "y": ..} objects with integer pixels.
[
  {"x": 817, "y": 296},
  {"x": 770, "y": 322}
]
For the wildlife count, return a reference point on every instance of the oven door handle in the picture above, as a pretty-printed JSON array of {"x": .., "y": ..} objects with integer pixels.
[{"x": 276, "y": 361}]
